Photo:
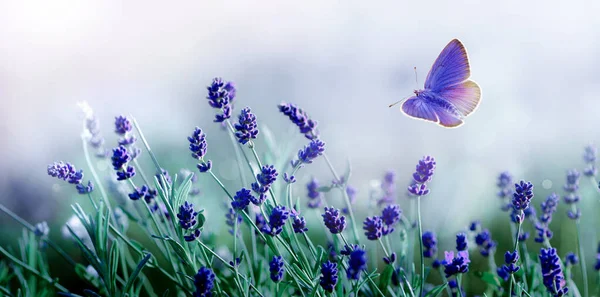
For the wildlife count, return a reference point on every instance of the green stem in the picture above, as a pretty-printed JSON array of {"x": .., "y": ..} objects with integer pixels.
[
  {"x": 33, "y": 271},
  {"x": 516, "y": 249},
  {"x": 582, "y": 266},
  {"x": 420, "y": 245},
  {"x": 345, "y": 195},
  {"x": 88, "y": 160}
]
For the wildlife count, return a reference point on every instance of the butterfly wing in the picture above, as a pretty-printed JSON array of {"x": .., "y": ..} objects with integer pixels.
[
  {"x": 419, "y": 108},
  {"x": 464, "y": 96},
  {"x": 451, "y": 67}
]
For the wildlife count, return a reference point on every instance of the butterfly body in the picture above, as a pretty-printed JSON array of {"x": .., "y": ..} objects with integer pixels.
[{"x": 449, "y": 96}]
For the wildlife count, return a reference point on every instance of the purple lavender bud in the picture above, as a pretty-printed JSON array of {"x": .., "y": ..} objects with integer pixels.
[
  {"x": 574, "y": 214},
  {"x": 192, "y": 236},
  {"x": 218, "y": 96},
  {"x": 429, "y": 244},
  {"x": 310, "y": 152},
  {"x": 299, "y": 225},
  {"x": 461, "y": 242},
  {"x": 522, "y": 196},
  {"x": 347, "y": 250},
  {"x": 290, "y": 179},
  {"x": 187, "y": 216},
  {"x": 456, "y": 264},
  {"x": 66, "y": 172},
  {"x": 475, "y": 226},
  {"x": 543, "y": 233},
  {"x": 357, "y": 262},
  {"x": 388, "y": 187},
  {"x": 198, "y": 144},
  {"x": 549, "y": 207},
  {"x": 204, "y": 282},
  {"x": 373, "y": 227},
  {"x": 424, "y": 170},
  {"x": 277, "y": 219},
  {"x": 122, "y": 125},
  {"x": 301, "y": 119},
  {"x": 589, "y": 154},
  {"x": 511, "y": 259},
  {"x": 523, "y": 236},
  {"x": 126, "y": 174},
  {"x": 552, "y": 273},
  {"x": 242, "y": 199},
  {"x": 391, "y": 216},
  {"x": 276, "y": 268},
  {"x": 329, "y": 276},
  {"x": 126, "y": 141},
  {"x": 335, "y": 222},
  {"x": 571, "y": 259},
  {"x": 246, "y": 126},
  {"x": 139, "y": 193},
  {"x": 85, "y": 189},
  {"x": 120, "y": 157},
  {"x": 204, "y": 167},
  {"x": 232, "y": 218},
  {"x": 502, "y": 273},
  {"x": 572, "y": 184},
  {"x": 436, "y": 264},
  {"x": 391, "y": 259},
  {"x": 485, "y": 243},
  {"x": 418, "y": 189},
  {"x": 313, "y": 194}
]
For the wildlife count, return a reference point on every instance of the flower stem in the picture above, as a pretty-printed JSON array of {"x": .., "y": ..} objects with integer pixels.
[
  {"x": 420, "y": 245},
  {"x": 582, "y": 266},
  {"x": 516, "y": 249}
]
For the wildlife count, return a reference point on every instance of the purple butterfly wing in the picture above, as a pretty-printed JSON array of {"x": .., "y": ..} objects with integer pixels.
[
  {"x": 451, "y": 67},
  {"x": 419, "y": 108},
  {"x": 464, "y": 96}
]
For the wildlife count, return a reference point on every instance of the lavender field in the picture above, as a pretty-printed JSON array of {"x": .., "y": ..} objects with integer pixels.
[{"x": 216, "y": 149}]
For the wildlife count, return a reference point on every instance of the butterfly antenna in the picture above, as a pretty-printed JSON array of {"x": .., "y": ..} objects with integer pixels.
[
  {"x": 400, "y": 101},
  {"x": 416, "y": 77}
]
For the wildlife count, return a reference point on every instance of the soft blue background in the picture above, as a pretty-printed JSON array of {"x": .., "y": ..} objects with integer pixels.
[{"x": 343, "y": 61}]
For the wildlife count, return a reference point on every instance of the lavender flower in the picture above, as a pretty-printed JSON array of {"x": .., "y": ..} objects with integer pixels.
[
  {"x": 388, "y": 187},
  {"x": 122, "y": 125},
  {"x": 523, "y": 236},
  {"x": 187, "y": 216},
  {"x": 429, "y": 244},
  {"x": 310, "y": 152},
  {"x": 521, "y": 199},
  {"x": 391, "y": 259},
  {"x": 552, "y": 273},
  {"x": 373, "y": 227},
  {"x": 475, "y": 226},
  {"x": 232, "y": 218},
  {"x": 313, "y": 194},
  {"x": 204, "y": 282},
  {"x": 391, "y": 216},
  {"x": 265, "y": 178},
  {"x": 42, "y": 230},
  {"x": 597, "y": 265},
  {"x": 276, "y": 268},
  {"x": 220, "y": 96},
  {"x": 120, "y": 159},
  {"x": 571, "y": 259},
  {"x": 242, "y": 199},
  {"x": 299, "y": 224},
  {"x": 246, "y": 126},
  {"x": 198, "y": 148},
  {"x": 126, "y": 174},
  {"x": 510, "y": 260},
  {"x": 85, "y": 189},
  {"x": 299, "y": 117},
  {"x": 461, "y": 242},
  {"x": 572, "y": 184},
  {"x": 502, "y": 274},
  {"x": 572, "y": 197},
  {"x": 139, "y": 193},
  {"x": 504, "y": 183},
  {"x": 66, "y": 172},
  {"x": 277, "y": 219},
  {"x": 329, "y": 276},
  {"x": 424, "y": 171},
  {"x": 357, "y": 262},
  {"x": 335, "y": 222},
  {"x": 485, "y": 243},
  {"x": 548, "y": 208},
  {"x": 456, "y": 264},
  {"x": 589, "y": 157}
]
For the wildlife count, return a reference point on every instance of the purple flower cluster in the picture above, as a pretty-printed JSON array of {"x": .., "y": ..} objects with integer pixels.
[
  {"x": 204, "y": 282},
  {"x": 279, "y": 215},
  {"x": 589, "y": 157},
  {"x": 357, "y": 262},
  {"x": 424, "y": 172},
  {"x": 543, "y": 226},
  {"x": 187, "y": 220},
  {"x": 373, "y": 227},
  {"x": 429, "y": 244},
  {"x": 571, "y": 259},
  {"x": 242, "y": 199},
  {"x": 246, "y": 127},
  {"x": 299, "y": 117},
  {"x": 521, "y": 199},
  {"x": 310, "y": 152},
  {"x": 510, "y": 260},
  {"x": 504, "y": 189},
  {"x": 123, "y": 128},
  {"x": 334, "y": 221},
  {"x": 220, "y": 96},
  {"x": 198, "y": 148},
  {"x": 92, "y": 125},
  {"x": 68, "y": 173},
  {"x": 388, "y": 187},
  {"x": 377, "y": 226},
  {"x": 597, "y": 265},
  {"x": 329, "y": 276},
  {"x": 120, "y": 160},
  {"x": 461, "y": 242},
  {"x": 265, "y": 178},
  {"x": 276, "y": 268},
  {"x": 314, "y": 195},
  {"x": 552, "y": 273},
  {"x": 455, "y": 264},
  {"x": 572, "y": 196},
  {"x": 485, "y": 243}
]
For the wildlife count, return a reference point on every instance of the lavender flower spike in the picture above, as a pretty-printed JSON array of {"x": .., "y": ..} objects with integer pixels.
[
  {"x": 310, "y": 152},
  {"x": 299, "y": 117},
  {"x": 246, "y": 128},
  {"x": 335, "y": 222}
]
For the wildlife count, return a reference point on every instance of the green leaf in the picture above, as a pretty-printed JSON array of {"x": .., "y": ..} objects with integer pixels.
[
  {"x": 201, "y": 220},
  {"x": 166, "y": 293},
  {"x": 324, "y": 189},
  {"x": 134, "y": 275},
  {"x": 437, "y": 290},
  {"x": 386, "y": 277},
  {"x": 178, "y": 248},
  {"x": 489, "y": 278},
  {"x": 113, "y": 264}
]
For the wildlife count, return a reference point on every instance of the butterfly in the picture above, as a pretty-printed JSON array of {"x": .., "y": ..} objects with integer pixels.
[{"x": 448, "y": 95}]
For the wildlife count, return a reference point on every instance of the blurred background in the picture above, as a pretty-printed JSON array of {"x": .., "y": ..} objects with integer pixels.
[{"x": 342, "y": 61}]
